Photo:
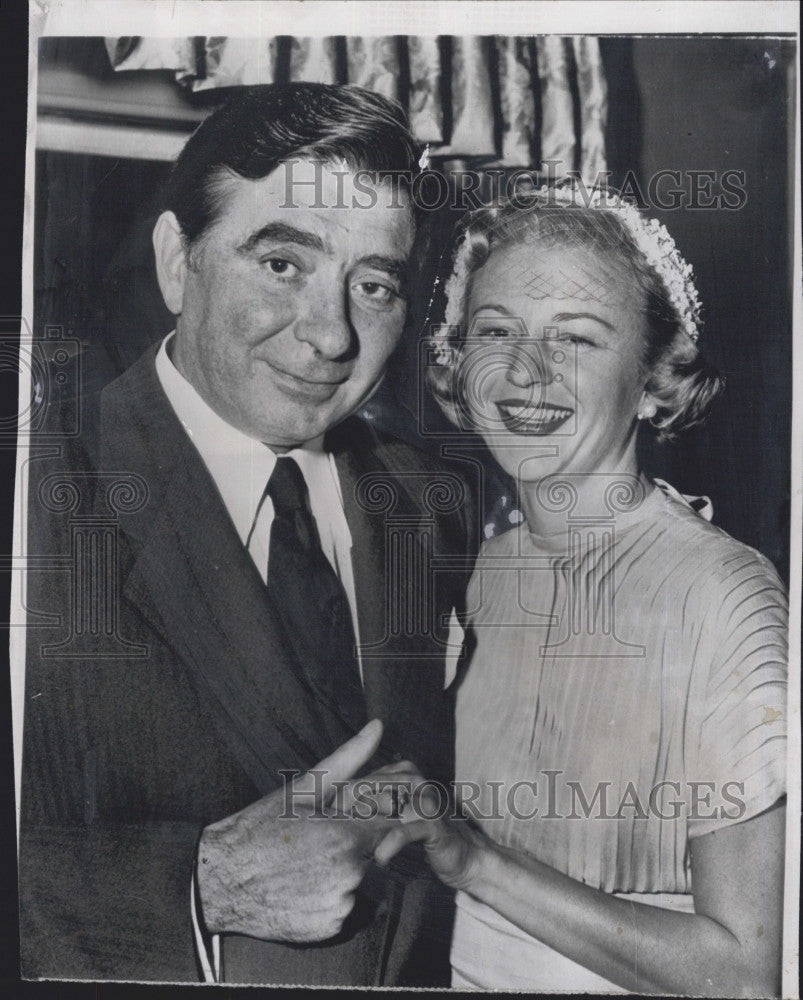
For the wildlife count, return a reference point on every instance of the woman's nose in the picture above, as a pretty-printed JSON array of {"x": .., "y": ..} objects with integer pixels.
[{"x": 529, "y": 365}]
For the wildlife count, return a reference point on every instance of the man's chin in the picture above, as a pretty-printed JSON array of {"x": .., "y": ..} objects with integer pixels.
[{"x": 307, "y": 428}]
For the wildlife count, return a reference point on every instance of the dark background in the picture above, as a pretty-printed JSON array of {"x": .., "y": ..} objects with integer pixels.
[{"x": 675, "y": 103}]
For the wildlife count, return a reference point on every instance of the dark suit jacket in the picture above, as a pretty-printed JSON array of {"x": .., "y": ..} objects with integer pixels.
[{"x": 161, "y": 694}]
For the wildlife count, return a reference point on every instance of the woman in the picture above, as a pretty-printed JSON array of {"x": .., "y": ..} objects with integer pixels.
[{"x": 621, "y": 739}]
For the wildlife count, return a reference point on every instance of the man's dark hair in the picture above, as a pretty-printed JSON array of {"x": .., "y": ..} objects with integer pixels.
[{"x": 259, "y": 127}]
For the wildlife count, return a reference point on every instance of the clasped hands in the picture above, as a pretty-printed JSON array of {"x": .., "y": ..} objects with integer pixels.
[{"x": 286, "y": 868}]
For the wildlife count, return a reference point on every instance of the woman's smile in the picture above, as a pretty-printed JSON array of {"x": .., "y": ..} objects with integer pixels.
[{"x": 526, "y": 417}]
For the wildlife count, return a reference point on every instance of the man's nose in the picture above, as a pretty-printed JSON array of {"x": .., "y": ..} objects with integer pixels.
[
  {"x": 325, "y": 325},
  {"x": 529, "y": 364}
]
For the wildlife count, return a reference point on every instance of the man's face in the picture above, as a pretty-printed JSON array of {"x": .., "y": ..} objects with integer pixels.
[{"x": 290, "y": 311}]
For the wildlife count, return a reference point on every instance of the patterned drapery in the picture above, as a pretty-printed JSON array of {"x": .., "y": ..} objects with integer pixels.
[{"x": 511, "y": 101}]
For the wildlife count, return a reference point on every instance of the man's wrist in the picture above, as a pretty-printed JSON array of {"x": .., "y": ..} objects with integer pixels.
[{"x": 209, "y": 885}]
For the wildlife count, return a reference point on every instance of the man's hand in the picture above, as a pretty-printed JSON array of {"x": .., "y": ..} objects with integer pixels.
[{"x": 283, "y": 869}]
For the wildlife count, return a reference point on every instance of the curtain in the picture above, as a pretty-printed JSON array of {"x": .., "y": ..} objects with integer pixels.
[{"x": 509, "y": 101}]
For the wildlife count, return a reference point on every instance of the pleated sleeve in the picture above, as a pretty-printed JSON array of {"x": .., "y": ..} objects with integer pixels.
[{"x": 743, "y": 716}]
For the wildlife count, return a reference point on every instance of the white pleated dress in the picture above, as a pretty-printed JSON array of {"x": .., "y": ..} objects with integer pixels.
[{"x": 613, "y": 670}]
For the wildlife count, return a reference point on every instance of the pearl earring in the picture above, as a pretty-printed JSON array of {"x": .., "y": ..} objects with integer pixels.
[{"x": 648, "y": 412}]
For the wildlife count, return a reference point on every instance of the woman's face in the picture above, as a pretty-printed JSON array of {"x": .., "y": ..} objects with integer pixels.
[{"x": 552, "y": 370}]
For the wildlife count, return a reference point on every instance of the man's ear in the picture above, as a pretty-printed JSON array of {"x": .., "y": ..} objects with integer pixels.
[{"x": 171, "y": 261}]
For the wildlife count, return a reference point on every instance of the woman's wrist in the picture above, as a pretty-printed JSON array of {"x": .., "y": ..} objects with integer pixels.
[
  {"x": 495, "y": 875},
  {"x": 483, "y": 868}
]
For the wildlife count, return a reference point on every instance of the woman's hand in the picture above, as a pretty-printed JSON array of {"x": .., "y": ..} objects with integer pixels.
[
  {"x": 453, "y": 848},
  {"x": 425, "y": 813}
]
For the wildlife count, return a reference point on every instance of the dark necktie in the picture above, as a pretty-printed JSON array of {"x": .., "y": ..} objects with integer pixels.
[{"x": 310, "y": 598}]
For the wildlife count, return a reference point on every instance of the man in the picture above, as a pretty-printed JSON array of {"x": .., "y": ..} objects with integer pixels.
[{"x": 232, "y": 584}]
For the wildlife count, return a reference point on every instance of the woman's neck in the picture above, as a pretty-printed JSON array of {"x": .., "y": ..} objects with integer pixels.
[{"x": 550, "y": 503}]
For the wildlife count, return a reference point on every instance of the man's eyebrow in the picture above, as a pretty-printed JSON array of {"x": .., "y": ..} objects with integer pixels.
[
  {"x": 281, "y": 232},
  {"x": 397, "y": 266},
  {"x": 565, "y": 317}
]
